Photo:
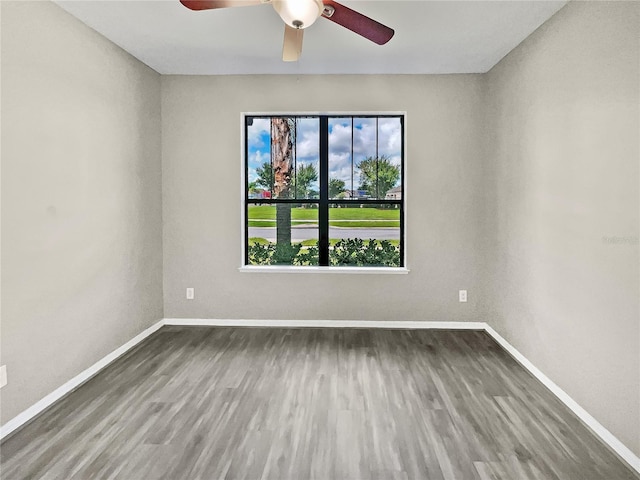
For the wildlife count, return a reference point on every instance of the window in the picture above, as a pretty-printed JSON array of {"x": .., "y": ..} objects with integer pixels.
[{"x": 324, "y": 190}]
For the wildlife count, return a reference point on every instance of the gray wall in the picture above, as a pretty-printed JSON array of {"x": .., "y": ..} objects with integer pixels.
[
  {"x": 81, "y": 200},
  {"x": 563, "y": 165},
  {"x": 202, "y": 192}
]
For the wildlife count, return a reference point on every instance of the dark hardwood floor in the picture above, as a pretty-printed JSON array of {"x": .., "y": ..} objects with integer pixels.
[{"x": 241, "y": 403}]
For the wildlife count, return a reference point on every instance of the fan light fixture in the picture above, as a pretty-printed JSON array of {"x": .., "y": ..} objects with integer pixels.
[{"x": 298, "y": 13}]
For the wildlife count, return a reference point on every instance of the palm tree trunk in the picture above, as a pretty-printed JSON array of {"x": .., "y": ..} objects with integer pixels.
[
  {"x": 283, "y": 224},
  {"x": 282, "y": 161}
]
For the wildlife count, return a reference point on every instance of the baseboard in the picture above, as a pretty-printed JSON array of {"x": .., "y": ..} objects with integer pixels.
[
  {"x": 31, "y": 412},
  {"x": 408, "y": 325},
  {"x": 596, "y": 427},
  {"x": 607, "y": 437}
]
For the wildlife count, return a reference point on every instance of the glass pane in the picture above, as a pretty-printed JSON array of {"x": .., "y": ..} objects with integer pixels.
[
  {"x": 307, "y": 157},
  {"x": 259, "y": 171},
  {"x": 283, "y": 234},
  {"x": 365, "y": 151},
  {"x": 389, "y": 158},
  {"x": 340, "y": 158},
  {"x": 364, "y": 235}
]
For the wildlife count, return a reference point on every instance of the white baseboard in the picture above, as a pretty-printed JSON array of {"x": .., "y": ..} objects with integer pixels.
[
  {"x": 605, "y": 435},
  {"x": 74, "y": 383},
  {"x": 213, "y": 322}
]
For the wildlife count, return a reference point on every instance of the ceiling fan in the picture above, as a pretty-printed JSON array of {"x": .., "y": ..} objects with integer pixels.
[{"x": 300, "y": 14}]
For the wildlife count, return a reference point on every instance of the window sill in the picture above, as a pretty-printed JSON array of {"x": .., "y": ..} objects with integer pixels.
[{"x": 339, "y": 270}]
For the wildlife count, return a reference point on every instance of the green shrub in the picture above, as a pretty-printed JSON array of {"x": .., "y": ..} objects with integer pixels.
[
  {"x": 285, "y": 254},
  {"x": 261, "y": 254},
  {"x": 349, "y": 252},
  {"x": 307, "y": 256},
  {"x": 362, "y": 253}
]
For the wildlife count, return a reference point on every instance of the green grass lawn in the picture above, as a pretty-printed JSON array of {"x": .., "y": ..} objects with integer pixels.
[
  {"x": 308, "y": 243},
  {"x": 258, "y": 241},
  {"x": 264, "y": 216}
]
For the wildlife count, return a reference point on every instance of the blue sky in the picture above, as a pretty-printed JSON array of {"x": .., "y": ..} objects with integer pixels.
[{"x": 342, "y": 156}]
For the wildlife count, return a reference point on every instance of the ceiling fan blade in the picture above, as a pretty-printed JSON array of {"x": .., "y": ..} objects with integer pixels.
[
  {"x": 292, "y": 47},
  {"x": 211, "y": 4},
  {"x": 356, "y": 22}
]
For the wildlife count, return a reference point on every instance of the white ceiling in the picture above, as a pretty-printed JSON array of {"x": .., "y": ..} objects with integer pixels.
[{"x": 431, "y": 36}]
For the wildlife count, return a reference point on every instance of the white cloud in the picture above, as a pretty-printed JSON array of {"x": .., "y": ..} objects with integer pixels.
[
  {"x": 364, "y": 138},
  {"x": 258, "y": 158},
  {"x": 308, "y": 139},
  {"x": 340, "y": 166},
  {"x": 389, "y": 137},
  {"x": 340, "y": 139},
  {"x": 256, "y": 131}
]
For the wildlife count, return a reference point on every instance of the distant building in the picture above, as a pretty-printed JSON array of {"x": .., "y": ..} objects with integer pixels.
[
  {"x": 356, "y": 194},
  {"x": 394, "y": 194}
]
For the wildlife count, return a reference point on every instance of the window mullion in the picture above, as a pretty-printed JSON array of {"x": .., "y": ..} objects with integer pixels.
[{"x": 323, "y": 212}]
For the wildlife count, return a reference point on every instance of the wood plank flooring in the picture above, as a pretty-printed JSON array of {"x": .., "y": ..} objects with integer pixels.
[{"x": 245, "y": 403}]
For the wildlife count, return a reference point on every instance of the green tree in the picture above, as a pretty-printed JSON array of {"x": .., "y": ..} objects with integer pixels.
[
  {"x": 378, "y": 175},
  {"x": 265, "y": 176},
  {"x": 336, "y": 187},
  {"x": 253, "y": 188},
  {"x": 305, "y": 176}
]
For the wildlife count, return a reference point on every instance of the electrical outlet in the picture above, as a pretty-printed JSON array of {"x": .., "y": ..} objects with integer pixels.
[
  {"x": 462, "y": 295},
  {"x": 3, "y": 376},
  {"x": 190, "y": 293}
]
